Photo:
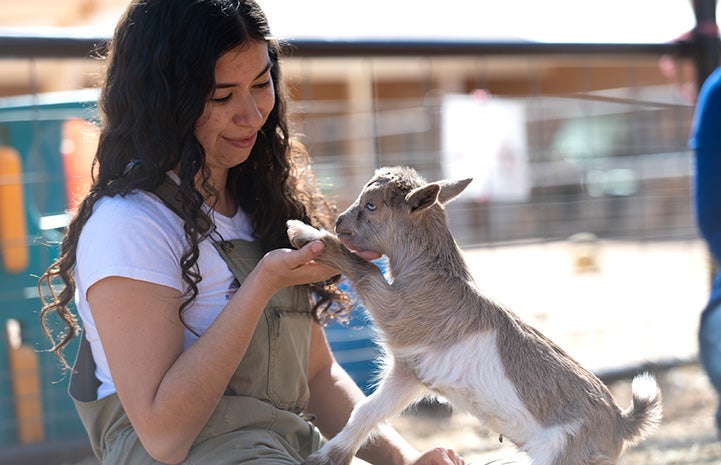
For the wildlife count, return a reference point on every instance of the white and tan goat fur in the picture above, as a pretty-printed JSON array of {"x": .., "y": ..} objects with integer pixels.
[{"x": 444, "y": 337}]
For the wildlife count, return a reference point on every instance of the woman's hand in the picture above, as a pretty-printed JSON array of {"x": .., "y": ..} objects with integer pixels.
[{"x": 289, "y": 267}]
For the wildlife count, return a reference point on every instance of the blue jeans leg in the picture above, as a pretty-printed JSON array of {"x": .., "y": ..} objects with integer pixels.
[{"x": 710, "y": 351}]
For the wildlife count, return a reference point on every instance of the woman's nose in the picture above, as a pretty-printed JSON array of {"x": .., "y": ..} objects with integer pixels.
[{"x": 247, "y": 111}]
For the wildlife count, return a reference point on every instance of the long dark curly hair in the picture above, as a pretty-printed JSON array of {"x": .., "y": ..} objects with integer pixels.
[{"x": 160, "y": 73}]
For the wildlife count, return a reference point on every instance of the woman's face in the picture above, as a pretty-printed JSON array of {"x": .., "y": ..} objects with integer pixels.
[{"x": 238, "y": 107}]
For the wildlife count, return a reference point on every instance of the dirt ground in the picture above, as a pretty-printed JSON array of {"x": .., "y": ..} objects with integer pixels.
[{"x": 687, "y": 435}]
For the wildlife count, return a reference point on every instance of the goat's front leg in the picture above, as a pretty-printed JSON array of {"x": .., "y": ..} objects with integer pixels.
[
  {"x": 398, "y": 389},
  {"x": 335, "y": 253}
]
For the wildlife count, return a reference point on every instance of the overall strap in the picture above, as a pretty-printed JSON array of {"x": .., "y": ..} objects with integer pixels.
[{"x": 167, "y": 191}]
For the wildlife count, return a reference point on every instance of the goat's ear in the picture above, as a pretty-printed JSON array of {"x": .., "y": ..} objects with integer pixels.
[
  {"x": 451, "y": 189},
  {"x": 421, "y": 198}
]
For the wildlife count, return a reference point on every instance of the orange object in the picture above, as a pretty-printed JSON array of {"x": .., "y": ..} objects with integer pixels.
[
  {"x": 13, "y": 223},
  {"x": 79, "y": 144},
  {"x": 25, "y": 377}
]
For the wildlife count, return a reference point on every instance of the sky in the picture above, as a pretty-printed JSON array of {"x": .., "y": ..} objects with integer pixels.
[{"x": 613, "y": 21}]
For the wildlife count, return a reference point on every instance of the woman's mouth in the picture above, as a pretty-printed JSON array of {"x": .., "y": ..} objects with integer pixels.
[{"x": 242, "y": 142}]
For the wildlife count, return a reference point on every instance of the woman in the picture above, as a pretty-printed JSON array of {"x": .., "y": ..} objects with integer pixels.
[{"x": 199, "y": 341}]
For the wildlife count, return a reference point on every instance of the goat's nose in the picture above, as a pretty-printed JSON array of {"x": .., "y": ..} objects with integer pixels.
[{"x": 339, "y": 221}]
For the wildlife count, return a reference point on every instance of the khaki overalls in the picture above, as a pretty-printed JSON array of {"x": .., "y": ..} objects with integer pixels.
[{"x": 258, "y": 420}]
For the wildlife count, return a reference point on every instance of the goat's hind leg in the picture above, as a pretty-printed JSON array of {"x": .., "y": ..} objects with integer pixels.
[{"x": 398, "y": 389}]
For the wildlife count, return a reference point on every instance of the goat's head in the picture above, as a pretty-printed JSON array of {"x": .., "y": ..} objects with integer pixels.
[{"x": 396, "y": 202}]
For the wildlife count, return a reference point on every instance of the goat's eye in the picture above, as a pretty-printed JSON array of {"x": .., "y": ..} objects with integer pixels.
[{"x": 371, "y": 206}]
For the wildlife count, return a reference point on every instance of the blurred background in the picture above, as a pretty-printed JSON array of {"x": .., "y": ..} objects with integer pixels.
[{"x": 572, "y": 117}]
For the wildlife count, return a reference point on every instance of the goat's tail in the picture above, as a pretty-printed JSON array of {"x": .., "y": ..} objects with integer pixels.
[{"x": 644, "y": 415}]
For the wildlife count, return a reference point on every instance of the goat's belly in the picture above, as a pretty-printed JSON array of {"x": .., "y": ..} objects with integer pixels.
[{"x": 471, "y": 376}]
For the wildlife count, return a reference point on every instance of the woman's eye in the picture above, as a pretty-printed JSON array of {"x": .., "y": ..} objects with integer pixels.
[
  {"x": 264, "y": 84},
  {"x": 370, "y": 206},
  {"x": 222, "y": 99}
]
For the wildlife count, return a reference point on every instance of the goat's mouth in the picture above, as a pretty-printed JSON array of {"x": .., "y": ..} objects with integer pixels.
[{"x": 346, "y": 239}]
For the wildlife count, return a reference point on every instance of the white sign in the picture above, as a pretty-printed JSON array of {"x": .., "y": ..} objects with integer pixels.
[{"x": 485, "y": 138}]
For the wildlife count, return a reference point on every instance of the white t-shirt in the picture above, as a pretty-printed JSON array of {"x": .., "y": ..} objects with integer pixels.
[{"x": 139, "y": 237}]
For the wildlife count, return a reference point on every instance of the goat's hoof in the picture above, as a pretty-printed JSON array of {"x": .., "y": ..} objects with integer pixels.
[{"x": 300, "y": 233}]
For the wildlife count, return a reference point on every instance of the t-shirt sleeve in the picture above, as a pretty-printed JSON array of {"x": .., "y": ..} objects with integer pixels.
[{"x": 130, "y": 239}]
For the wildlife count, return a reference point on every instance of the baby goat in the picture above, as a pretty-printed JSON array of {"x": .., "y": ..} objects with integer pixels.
[{"x": 444, "y": 337}]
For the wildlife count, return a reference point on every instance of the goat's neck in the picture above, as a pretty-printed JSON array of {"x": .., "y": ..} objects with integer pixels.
[
  {"x": 417, "y": 253},
  {"x": 431, "y": 300}
]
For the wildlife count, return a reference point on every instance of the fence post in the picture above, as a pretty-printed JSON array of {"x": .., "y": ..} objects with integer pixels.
[{"x": 706, "y": 39}]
